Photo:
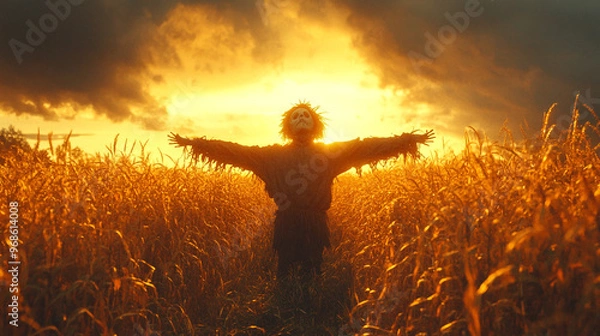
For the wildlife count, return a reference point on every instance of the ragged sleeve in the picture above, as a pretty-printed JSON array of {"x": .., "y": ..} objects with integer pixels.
[
  {"x": 357, "y": 153},
  {"x": 251, "y": 158}
]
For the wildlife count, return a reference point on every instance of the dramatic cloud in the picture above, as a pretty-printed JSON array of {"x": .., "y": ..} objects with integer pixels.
[
  {"x": 460, "y": 62},
  {"x": 483, "y": 62},
  {"x": 59, "y": 57}
]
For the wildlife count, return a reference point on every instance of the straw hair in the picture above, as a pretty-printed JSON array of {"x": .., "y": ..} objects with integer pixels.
[{"x": 319, "y": 125}]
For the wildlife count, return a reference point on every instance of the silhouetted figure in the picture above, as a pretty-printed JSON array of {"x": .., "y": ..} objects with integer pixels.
[{"x": 299, "y": 175}]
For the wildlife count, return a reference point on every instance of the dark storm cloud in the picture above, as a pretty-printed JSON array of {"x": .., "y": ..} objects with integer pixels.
[
  {"x": 76, "y": 54},
  {"x": 485, "y": 61}
]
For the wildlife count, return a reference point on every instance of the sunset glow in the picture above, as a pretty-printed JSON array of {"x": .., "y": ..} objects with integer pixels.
[
  {"x": 228, "y": 71},
  {"x": 300, "y": 167},
  {"x": 225, "y": 92}
]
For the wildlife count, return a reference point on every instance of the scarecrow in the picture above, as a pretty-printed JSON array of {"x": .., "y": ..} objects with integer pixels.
[{"x": 298, "y": 176}]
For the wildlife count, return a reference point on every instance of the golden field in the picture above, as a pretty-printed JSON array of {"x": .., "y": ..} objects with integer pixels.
[{"x": 501, "y": 239}]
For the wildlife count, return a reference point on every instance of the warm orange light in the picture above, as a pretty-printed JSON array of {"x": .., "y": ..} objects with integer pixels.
[{"x": 215, "y": 84}]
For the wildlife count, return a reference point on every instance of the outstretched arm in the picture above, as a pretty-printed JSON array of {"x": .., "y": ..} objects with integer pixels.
[
  {"x": 360, "y": 152},
  {"x": 179, "y": 141},
  {"x": 222, "y": 152}
]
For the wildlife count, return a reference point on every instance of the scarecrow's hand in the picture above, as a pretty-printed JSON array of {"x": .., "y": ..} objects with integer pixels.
[
  {"x": 425, "y": 138},
  {"x": 179, "y": 141}
]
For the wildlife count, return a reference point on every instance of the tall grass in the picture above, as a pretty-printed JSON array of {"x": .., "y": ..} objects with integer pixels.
[
  {"x": 111, "y": 242},
  {"x": 500, "y": 239}
]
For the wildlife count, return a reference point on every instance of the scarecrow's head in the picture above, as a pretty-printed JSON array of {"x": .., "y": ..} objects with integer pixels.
[{"x": 302, "y": 123}]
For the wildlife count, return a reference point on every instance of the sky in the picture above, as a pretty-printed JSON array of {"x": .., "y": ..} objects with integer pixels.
[{"x": 228, "y": 69}]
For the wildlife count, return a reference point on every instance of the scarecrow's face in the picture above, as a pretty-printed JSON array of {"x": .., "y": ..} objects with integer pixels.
[{"x": 301, "y": 120}]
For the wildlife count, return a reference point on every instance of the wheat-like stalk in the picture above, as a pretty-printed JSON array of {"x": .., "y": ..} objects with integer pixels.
[{"x": 499, "y": 239}]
